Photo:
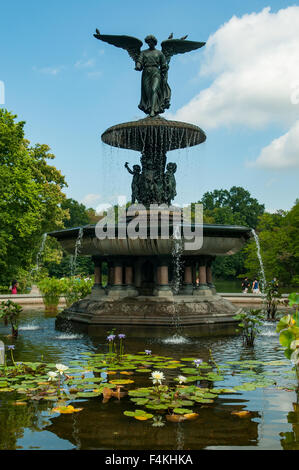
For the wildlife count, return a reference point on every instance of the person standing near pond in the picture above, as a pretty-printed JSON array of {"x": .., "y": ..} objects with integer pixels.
[
  {"x": 14, "y": 287},
  {"x": 255, "y": 287},
  {"x": 245, "y": 285}
]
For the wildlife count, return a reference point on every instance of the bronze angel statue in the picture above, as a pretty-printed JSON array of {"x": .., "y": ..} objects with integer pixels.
[{"x": 154, "y": 64}]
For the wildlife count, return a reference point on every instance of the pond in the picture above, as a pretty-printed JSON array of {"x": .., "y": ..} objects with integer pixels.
[{"x": 271, "y": 421}]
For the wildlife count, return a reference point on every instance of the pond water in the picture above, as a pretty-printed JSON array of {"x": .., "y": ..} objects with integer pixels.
[{"x": 272, "y": 423}]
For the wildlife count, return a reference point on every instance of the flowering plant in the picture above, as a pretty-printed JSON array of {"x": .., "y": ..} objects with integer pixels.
[{"x": 288, "y": 329}]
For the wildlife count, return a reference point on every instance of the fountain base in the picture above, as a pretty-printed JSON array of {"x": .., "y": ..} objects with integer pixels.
[{"x": 209, "y": 313}]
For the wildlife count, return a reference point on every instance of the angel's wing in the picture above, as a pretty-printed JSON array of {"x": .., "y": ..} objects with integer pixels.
[
  {"x": 130, "y": 44},
  {"x": 171, "y": 47}
]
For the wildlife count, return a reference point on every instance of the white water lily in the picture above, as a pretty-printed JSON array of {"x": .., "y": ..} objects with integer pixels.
[
  {"x": 52, "y": 375},
  {"x": 61, "y": 368},
  {"x": 294, "y": 344},
  {"x": 157, "y": 377},
  {"x": 295, "y": 357},
  {"x": 181, "y": 379}
]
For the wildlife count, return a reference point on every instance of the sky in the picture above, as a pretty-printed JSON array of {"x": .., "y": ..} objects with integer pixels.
[{"x": 242, "y": 89}]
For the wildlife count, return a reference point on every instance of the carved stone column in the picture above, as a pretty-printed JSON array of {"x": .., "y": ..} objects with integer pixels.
[
  {"x": 187, "y": 288},
  {"x": 117, "y": 287},
  {"x": 163, "y": 288},
  {"x": 97, "y": 289},
  {"x": 210, "y": 284},
  {"x": 203, "y": 288},
  {"x": 129, "y": 280}
]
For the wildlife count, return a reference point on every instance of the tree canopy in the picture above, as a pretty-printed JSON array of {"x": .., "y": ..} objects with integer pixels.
[
  {"x": 30, "y": 197},
  {"x": 279, "y": 241}
]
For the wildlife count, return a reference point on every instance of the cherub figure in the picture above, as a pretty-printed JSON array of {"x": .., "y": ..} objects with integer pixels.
[
  {"x": 135, "y": 181},
  {"x": 170, "y": 182}
]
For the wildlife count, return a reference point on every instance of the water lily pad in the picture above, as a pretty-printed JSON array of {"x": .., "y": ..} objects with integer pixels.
[
  {"x": 121, "y": 381},
  {"x": 182, "y": 411},
  {"x": 140, "y": 415},
  {"x": 245, "y": 387},
  {"x": 241, "y": 414},
  {"x": 66, "y": 409}
]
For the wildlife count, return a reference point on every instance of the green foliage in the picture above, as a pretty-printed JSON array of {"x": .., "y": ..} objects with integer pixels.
[
  {"x": 77, "y": 213},
  {"x": 279, "y": 241},
  {"x": 272, "y": 299},
  {"x": 250, "y": 322},
  {"x": 288, "y": 329},
  {"x": 72, "y": 289},
  {"x": 30, "y": 197},
  {"x": 10, "y": 312},
  {"x": 233, "y": 207},
  {"x": 62, "y": 268},
  {"x": 75, "y": 288},
  {"x": 52, "y": 289}
]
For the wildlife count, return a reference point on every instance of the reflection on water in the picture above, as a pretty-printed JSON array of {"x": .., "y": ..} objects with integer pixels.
[{"x": 272, "y": 424}]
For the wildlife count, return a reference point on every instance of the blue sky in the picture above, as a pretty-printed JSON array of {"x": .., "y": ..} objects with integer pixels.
[{"x": 69, "y": 88}]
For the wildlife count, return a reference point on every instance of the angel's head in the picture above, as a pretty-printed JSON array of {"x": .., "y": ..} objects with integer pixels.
[{"x": 151, "y": 40}]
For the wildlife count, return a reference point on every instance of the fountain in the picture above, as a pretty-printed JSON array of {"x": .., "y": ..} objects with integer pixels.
[{"x": 158, "y": 277}]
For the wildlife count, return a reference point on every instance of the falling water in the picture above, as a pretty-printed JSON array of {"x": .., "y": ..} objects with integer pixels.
[
  {"x": 176, "y": 282},
  {"x": 77, "y": 251},
  {"x": 40, "y": 252},
  {"x": 176, "y": 256},
  {"x": 258, "y": 250}
]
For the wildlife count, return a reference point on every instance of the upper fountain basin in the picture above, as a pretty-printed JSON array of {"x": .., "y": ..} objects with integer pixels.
[
  {"x": 218, "y": 240},
  {"x": 156, "y": 133}
]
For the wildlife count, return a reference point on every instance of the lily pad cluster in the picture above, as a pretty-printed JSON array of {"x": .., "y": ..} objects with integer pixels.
[{"x": 153, "y": 386}]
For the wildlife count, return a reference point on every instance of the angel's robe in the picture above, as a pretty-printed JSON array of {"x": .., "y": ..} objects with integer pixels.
[{"x": 155, "y": 91}]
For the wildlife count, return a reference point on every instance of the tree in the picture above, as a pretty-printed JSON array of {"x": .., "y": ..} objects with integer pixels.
[
  {"x": 233, "y": 207},
  {"x": 278, "y": 237},
  {"x": 78, "y": 214},
  {"x": 30, "y": 197}
]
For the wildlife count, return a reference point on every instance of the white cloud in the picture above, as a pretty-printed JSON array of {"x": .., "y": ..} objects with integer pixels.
[
  {"x": 83, "y": 64},
  {"x": 254, "y": 67},
  {"x": 282, "y": 152},
  {"x": 95, "y": 74},
  {"x": 50, "y": 70},
  {"x": 91, "y": 199},
  {"x": 253, "y": 62}
]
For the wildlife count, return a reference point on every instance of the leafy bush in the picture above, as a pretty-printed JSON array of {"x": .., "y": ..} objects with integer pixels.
[
  {"x": 75, "y": 289},
  {"x": 72, "y": 289},
  {"x": 52, "y": 289}
]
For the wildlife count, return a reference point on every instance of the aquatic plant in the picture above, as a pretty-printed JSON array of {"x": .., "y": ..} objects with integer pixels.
[
  {"x": 104, "y": 376},
  {"x": 250, "y": 323},
  {"x": 271, "y": 300},
  {"x": 10, "y": 312},
  {"x": 288, "y": 329}
]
